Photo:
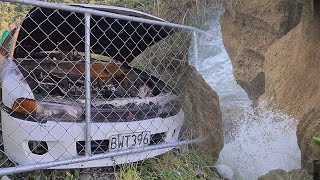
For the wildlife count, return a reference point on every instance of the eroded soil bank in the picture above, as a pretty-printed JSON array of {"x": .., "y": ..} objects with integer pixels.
[{"x": 274, "y": 48}]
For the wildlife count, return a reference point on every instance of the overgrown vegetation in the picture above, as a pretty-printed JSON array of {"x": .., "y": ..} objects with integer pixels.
[
  {"x": 178, "y": 11},
  {"x": 183, "y": 164},
  {"x": 179, "y": 164}
]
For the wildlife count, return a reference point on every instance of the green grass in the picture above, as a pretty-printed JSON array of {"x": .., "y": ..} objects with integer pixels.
[
  {"x": 184, "y": 164},
  {"x": 128, "y": 172}
]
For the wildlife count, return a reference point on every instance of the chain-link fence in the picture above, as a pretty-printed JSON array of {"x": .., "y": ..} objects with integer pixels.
[{"x": 92, "y": 86}]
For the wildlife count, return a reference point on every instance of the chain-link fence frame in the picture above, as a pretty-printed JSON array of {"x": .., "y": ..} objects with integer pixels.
[{"x": 88, "y": 13}]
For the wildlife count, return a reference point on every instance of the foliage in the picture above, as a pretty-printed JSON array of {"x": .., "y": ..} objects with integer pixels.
[
  {"x": 316, "y": 140},
  {"x": 180, "y": 164},
  {"x": 16, "y": 12},
  {"x": 188, "y": 165},
  {"x": 178, "y": 11}
]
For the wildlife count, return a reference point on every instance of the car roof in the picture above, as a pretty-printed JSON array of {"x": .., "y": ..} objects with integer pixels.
[{"x": 46, "y": 29}]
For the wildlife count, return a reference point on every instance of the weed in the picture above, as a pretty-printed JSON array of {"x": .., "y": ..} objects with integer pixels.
[{"x": 186, "y": 164}]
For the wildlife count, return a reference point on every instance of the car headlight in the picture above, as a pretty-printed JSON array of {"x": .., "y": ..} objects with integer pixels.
[{"x": 44, "y": 109}]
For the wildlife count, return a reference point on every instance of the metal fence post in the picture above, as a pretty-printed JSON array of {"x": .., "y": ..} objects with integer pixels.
[
  {"x": 195, "y": 48},
  {"x": 87, "y": 85}
]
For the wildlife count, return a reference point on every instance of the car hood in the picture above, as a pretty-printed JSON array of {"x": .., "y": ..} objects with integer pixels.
[{"x": 48, "y": 29}]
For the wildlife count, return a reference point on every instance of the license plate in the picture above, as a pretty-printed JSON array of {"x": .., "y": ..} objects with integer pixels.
[{"x": 131, "y": 140}]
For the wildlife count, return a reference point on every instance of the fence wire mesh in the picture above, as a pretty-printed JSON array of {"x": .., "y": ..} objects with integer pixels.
[{"x": 131, "y": 74}]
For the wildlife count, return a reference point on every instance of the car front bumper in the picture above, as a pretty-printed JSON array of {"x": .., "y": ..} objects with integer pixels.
[{"x": 62, "y": 137}]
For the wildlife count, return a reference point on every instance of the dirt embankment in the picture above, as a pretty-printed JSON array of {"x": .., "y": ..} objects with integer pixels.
[
  {"x": 249, "y": 28},
  {"x": 200, "y": 102},
  {"x": 295, "y": 83},
  {"x": 293, "y": 68},
  {"x": 282, "y": 174},
  {"x": 203, "y": 108},
  {"x": 275, "y": 49}
]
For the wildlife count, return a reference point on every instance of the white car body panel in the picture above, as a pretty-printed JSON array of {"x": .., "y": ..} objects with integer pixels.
[
  {"x": 14, "y": 85},
  {"x": 61, "y": 138}
]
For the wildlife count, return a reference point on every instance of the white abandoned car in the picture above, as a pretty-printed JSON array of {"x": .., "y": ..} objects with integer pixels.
[{"x": 43, "y": 90}]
